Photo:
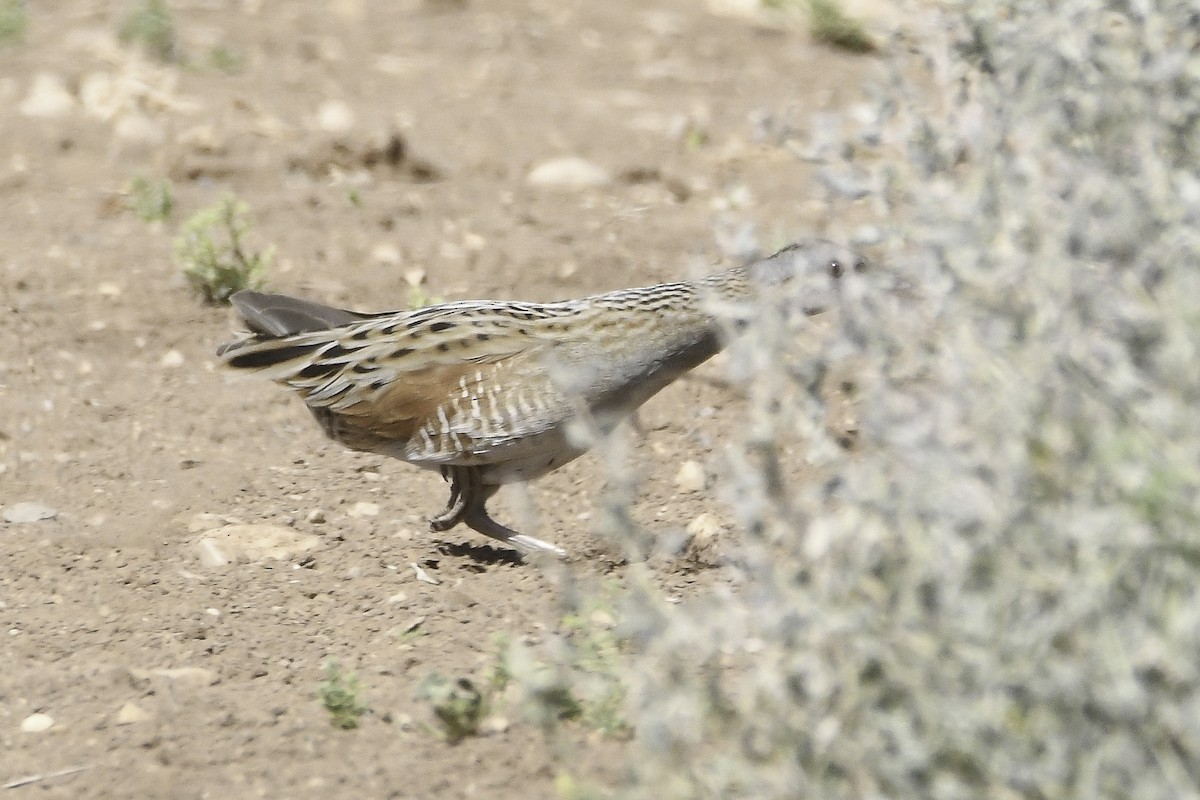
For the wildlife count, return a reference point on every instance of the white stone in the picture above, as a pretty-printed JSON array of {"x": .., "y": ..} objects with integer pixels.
[
  {"x": 195, "y": 675},
  {"x": 335, "y": 116},
  {"x": 204, "y": 521},
  {"x": 98, "y": 94},
  {"x": 171, "y": 359},
  {"x": 386, "y": 253},
  {"x": 139, "y": 128},
  {"x": 28, "y": 512},
  {"x": 364, "y": 509},
  {"x": 202, "y": 138},
  {"x": 746, "y": 9},
  {"x": 131, "y": 713},
  {"x": 570, "y": 172},
  {"x": 703, "y": 528},
  {"x": 691, "y": 477},
  {"x": 211, "y": 554},
  {"x": 36, "y": 723},
  {"x": 493, "y": 724},
  {"x": 48, "y": 97}
]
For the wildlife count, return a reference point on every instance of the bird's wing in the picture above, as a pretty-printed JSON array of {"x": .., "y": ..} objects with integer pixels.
[{"x": 470, "y": 371}]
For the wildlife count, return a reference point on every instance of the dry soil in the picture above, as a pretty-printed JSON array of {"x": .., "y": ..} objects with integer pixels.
[{"x": 378, "y": 144}]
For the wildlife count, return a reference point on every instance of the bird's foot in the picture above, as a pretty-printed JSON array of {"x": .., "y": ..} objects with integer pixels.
[
  {"x": 477, "y": 519},
  {"x": 456, "y": 506},
  {"x": 468, "y": 504}
]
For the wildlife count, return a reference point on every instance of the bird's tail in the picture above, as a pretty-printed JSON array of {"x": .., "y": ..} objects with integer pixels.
[{"x": 279, "y": 325}]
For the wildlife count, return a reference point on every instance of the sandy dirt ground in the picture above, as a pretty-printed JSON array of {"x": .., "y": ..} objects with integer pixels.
[{"x": 376, "y": 143}]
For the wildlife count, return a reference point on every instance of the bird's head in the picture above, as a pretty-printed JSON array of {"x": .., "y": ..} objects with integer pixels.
[{"x": 809, "y": 276}]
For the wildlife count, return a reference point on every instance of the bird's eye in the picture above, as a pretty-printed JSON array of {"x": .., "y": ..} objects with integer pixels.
[
  {"x": 861, "y": 265},
  {"x": 835, "y": 269}
]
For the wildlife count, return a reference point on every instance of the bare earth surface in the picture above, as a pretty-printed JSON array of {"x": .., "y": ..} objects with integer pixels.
[{"x": 166, "y": 676}]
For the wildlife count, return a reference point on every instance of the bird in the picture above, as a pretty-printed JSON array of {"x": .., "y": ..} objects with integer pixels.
[{"x": 486, "y": 392}]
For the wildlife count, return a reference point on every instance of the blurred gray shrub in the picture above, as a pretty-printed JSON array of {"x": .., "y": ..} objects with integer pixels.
[{"x": 998, "y": 594}]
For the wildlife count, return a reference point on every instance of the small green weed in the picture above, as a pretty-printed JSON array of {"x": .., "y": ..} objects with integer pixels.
[
  {"x": 575, "y": 677},
  {"x": 570, "y": 787},
  {"x": 148, "y": 25},
  {"x": 500, "y": 675},
  {"x": 14, "y": 20},
  {"x": 831, "y": 26},
  {"x": 339, "y": 694},
  {"x": 458, "y": 705},
  {"x": 211, "y": 251},
  {"x": 419, "y": 298},
  {"x": 598, "y": 656},
  {"x": 150, "y": 199},
  {"x": 227, "y": 59}
]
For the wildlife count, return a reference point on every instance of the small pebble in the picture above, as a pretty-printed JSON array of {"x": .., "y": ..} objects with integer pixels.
[
  {"x": 134, "y": 126},
  {"x": 36, "y": 723},
  {"x": 28, "y": 512},
  {"x": 316, "y": 516},
  {"x": 211, "y": 554},
  {"x": 171, "y": 359},
  {"x": 703, "y": 528},
  {"x": 48, "y": 97},
  {"x": 195, "y": 675},
  {"x": 603, "y": 619},
  {"x": 568, "y": 173},
  {"x": 691, "y": 477},
  {"x": 205, "y": 521},
  {"x": 334, "y": 116},
  {"x": 493, "y": 725},
  {"x": 131, "y": 713},
  {"x": 386, "y": 253},
  {"x": 201, "y": 138},
  {"x": 364, "y": 509}
]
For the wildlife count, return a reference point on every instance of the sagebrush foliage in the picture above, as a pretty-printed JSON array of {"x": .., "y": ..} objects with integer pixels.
[{"x": 996, "y": 595}]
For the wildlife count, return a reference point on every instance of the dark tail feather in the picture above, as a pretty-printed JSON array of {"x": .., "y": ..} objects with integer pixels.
[{"x": 274, "y": 316}]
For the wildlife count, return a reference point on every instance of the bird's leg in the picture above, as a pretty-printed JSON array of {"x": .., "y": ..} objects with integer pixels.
[
  {"x": 477, "y": 519},
  {"x": 468, "y": 501},
  {"x": 457, "y": 504}
]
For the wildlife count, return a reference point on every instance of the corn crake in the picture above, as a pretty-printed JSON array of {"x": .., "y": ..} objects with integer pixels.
[{"x": 485, "y": 391}]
